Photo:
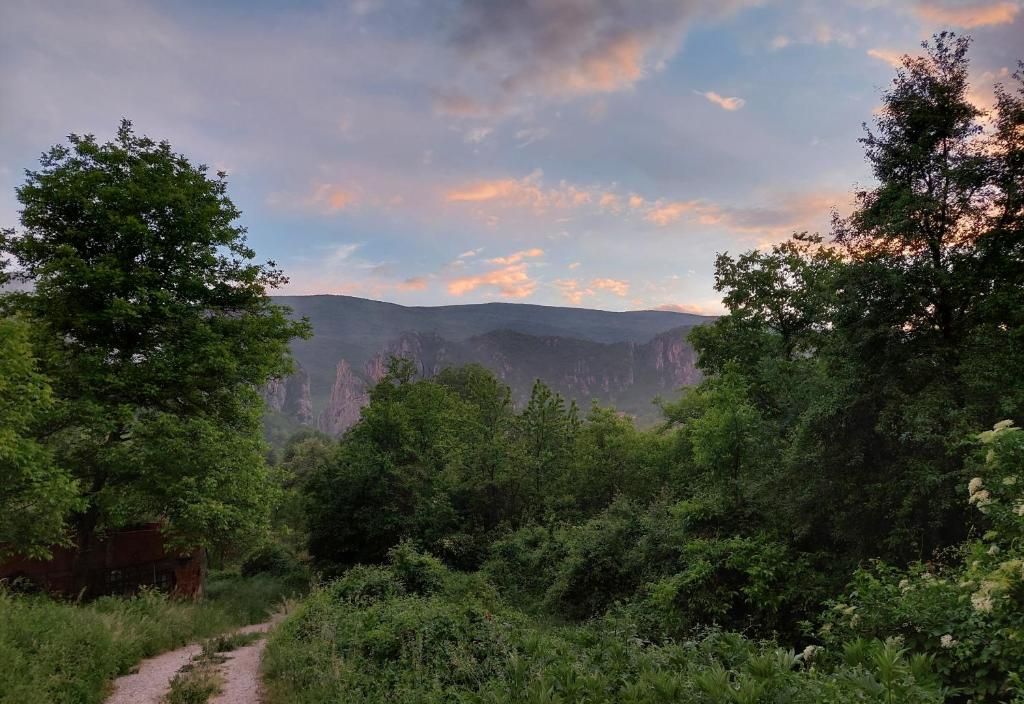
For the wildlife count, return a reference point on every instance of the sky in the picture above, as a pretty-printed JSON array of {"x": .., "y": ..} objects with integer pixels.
[{"x": 594, "y": 153}]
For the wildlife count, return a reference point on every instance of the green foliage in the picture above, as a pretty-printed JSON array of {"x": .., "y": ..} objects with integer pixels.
[
  {"x": 54, "y": 652},
  {"x": 36, "y": 495},
  {"x": 151, "y": 321},
  {"x": 270, "y": 558},
  {"x": 459, "y": 645},
  {"x": 872, "y": 356},
  {"x": 966, "y": 614}
]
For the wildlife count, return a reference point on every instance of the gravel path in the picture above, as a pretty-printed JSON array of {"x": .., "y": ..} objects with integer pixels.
[
  {"x": 240, "y": 670},
  {"x": 242, "y": 675}
]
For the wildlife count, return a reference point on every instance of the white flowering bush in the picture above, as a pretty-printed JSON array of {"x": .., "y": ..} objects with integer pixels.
[{"x": 966, "y": 611}]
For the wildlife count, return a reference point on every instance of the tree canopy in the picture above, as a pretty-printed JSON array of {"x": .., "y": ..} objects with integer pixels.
[{"x": 150, "y": 319}]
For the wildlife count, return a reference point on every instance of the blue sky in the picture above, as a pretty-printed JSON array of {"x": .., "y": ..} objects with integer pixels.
[{"x": 593, "y": 153}]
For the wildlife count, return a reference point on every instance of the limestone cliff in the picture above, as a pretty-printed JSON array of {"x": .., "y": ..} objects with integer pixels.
[
  {"x": 348, "y": 396},
  {"x": 627, "y": 375},
  {"x": 290, "y": 396}
]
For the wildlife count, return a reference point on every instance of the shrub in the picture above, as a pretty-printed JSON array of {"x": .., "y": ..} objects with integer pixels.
[
  {"x": 420, "y": 572},
  {"x": 270, "y": 558},
  {"x": 967, "y": 614},
  {"x": 451, "y": 646}
]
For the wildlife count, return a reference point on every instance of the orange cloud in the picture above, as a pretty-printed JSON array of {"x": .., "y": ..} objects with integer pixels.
[
  {"x": 610, "y": 201},
  {"x": 709, "y": 308},
  {"x": 893, "y": 58},
  {"x": 603, "y": 69},
  {"x": 730, "y": 104},
  {"x": 527, "y": 193},
  {"x": 517, "y": 257},
  {"x": 510, "y": 281},
  {"x": 616, "y": 286},
  {"x": 968, "y": 16},
  {"x": 572, "y": 291},
  {"x": 415, "y": 283},
  {"x": 331, "y": 197},
  {"x": 665, "y": 213}
]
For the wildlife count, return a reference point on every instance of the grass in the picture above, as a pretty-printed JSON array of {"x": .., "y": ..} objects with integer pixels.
[
  {"x": 54, "y": 652},
  {"x": 200, "y": 679},
  {"x": 195, "y": 684}
]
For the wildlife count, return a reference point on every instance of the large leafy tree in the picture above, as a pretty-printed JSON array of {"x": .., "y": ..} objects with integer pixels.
[
  {"x": 151, "y": 319},
  {"x": 36, "y": 495}
]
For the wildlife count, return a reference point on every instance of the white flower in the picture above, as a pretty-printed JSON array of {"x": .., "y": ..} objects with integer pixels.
[
  {"x": 974, "y": 486},
  {"x": 904, "y": 585},
  {"x": 982, "y": 498},
  {"x": 1020, "y": 509},
  {"x": 1010, "y": 481},
  {"x": 982, "y": 602},
  {"x": 947, "y": 641},
  {"x": 809, "y": 652},
  {"x": 994, "y": 550},
  {"x": 1002, "y": 425}
]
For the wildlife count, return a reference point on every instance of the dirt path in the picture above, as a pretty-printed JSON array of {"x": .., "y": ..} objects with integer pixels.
[{"x": 240, "y": 670}]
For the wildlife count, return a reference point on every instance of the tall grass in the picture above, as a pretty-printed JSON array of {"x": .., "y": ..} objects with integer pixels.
[{"x": 54, "y": 652}]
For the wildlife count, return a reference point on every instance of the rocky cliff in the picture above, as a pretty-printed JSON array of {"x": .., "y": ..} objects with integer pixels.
[
  {"x": 348, "y": 396},
  {"x": 291, "y": 396},
  {"x": 627, "y": 375}
]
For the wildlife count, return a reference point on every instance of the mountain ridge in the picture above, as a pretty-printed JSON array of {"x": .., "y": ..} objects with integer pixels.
[{"x": 620, "y": 358}]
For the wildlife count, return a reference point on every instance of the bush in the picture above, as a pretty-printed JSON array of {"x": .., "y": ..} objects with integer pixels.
[
  {"x": 967, "y": 613},
  {"x": 453, "y": 646},
  {"x": 270, "y": 558},
  {"x": 419, "y": 572},
  {"x": 522, "y": 563}
]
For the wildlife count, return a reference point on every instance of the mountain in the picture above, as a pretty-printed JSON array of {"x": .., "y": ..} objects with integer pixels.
[{"x": 624, "y": 359}]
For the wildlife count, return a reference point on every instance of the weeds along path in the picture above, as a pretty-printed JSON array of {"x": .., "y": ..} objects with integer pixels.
[{"x": 240, "y": 670}]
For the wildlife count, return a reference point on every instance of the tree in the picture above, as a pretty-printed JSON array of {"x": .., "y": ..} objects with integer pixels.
[
  {"x": 879, "y": 351},
  {"x": 547, "y": 430},
  {"x": 36, "y": 495},
  {"x": 151, "y": 319}
]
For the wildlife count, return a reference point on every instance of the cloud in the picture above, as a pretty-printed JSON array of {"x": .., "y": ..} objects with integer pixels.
[
  {"x": 331, "y": 197},
  {"x": 977, "y": 14},
  {"x": 730, "y": 104},
  {"x": 572, "y": 291},
  {"x": 530, "y": 135},
  {"x": 517, "y": 257},
  {"x": 616, "y": 286},
  {"x": 610, "y": 201},
  {"x": 893, "y": 58},
  {"x": 665, "y": 213},
  {"x": 413, "y": 283},
  {"x": 706, "y": 308},
  {"x": 476, "y": 135},
  {"x": 574, "y": 265},
  {"x": 510, "y": 282},
  {"x": 780, "y": 41},
  {"x": 470, "y": 253},
  {"x": 527, "y": 193},
  {"x": 519, "y": 50}
]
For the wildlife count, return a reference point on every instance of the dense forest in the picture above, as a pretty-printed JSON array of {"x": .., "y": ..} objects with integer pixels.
[{"x": 835, "y": 514}]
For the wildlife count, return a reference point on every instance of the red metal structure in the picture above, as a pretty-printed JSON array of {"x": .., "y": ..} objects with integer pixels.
[{"x": 120, "y": 563}]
